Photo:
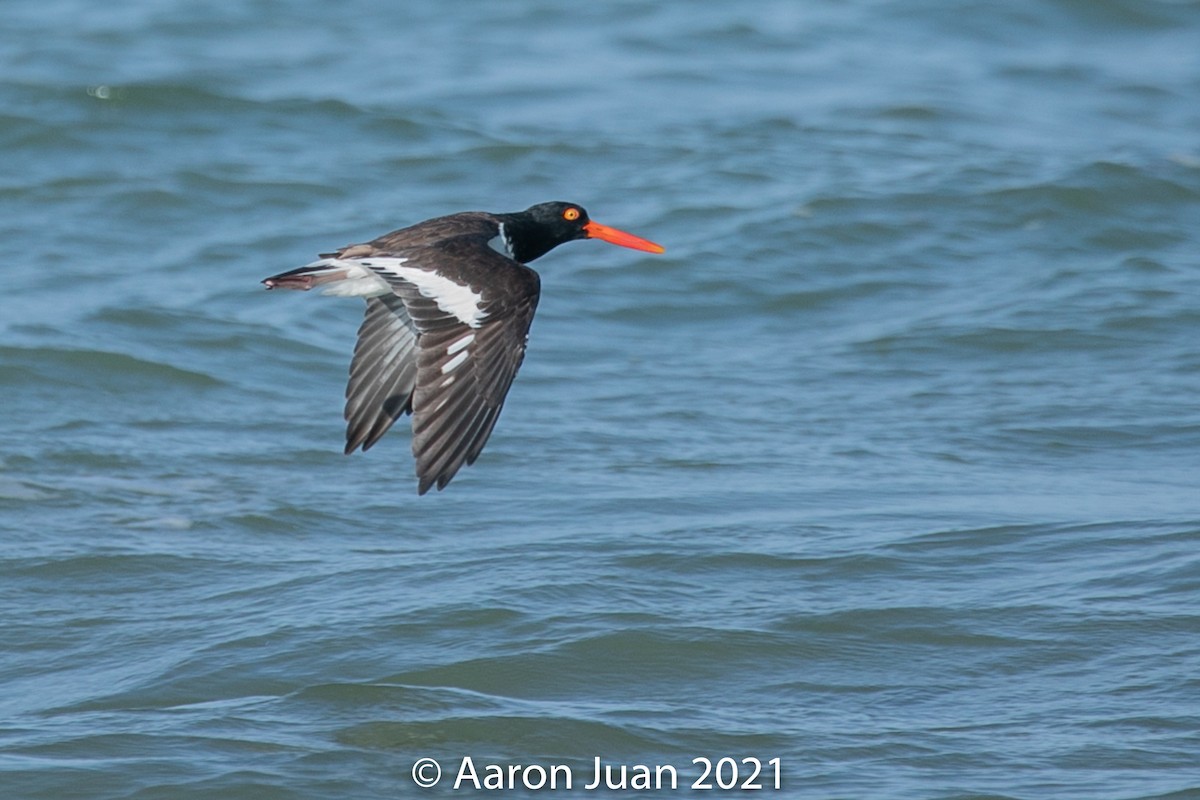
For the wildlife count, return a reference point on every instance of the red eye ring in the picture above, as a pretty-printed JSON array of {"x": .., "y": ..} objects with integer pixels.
[{"x": 571, "y": 214}]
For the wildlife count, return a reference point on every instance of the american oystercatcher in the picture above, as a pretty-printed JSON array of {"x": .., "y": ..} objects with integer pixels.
[{"x": 449, "y": 304}]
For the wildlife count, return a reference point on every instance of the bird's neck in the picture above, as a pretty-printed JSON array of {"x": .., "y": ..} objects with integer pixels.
[{"x": 526, "y": 241}]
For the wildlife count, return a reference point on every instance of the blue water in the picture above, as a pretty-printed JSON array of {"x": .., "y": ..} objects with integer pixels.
[{"x": 888, "y": 469}]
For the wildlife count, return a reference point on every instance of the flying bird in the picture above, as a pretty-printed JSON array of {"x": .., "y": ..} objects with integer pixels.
[{"x": 449, "y": 304}]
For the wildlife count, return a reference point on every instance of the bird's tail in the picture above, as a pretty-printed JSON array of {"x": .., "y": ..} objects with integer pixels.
[{"x": 304, "y": 278}]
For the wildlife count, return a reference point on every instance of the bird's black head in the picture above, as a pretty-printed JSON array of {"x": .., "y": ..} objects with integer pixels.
[{"x": 539, "y": 229}]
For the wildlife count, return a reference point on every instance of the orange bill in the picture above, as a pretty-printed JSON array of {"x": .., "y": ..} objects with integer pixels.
[{"x": 613, "y": 236}]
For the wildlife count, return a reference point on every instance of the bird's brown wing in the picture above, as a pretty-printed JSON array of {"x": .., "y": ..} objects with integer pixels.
[{"x": 463, "y": 367}]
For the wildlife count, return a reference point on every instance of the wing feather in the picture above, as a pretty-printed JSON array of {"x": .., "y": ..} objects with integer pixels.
[
  {"x": 453, "y": 420},
  {"x": 383, "y": 373}
]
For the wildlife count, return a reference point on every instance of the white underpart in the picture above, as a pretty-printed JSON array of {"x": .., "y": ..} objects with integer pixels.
[
  {"x": 359, "y": 281},
  {"x": 462, "y": 301},
  {"x": 455, "y": 362},
  {"x": 459, "y": 344},
  {"x": 501, "y": 244}
]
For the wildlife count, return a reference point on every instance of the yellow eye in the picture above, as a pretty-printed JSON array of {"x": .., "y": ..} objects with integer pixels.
[{"x": 571, "y": 214}]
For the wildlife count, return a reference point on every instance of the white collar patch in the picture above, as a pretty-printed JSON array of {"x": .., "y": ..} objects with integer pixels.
[{"x": 501, "y": 243}]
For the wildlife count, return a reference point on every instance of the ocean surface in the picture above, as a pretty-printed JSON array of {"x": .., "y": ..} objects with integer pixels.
[{"x": 885, "y": 477}]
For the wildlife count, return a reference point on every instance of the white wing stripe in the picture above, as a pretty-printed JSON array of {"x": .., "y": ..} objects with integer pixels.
[
  {"x": 460, "y": 344},
  {"x": 462, "y": 301},
  {"x": 455, "y": 362}
]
